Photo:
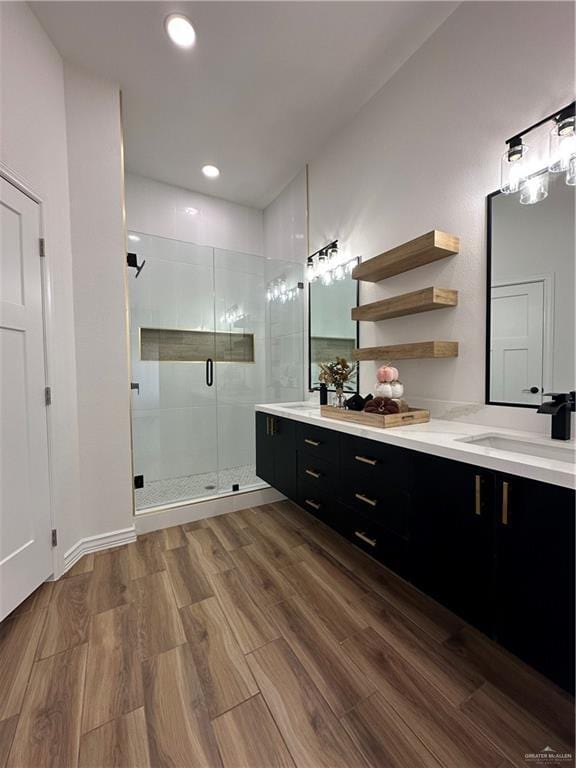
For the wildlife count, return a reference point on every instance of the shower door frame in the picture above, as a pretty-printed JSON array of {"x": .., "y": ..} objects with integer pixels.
[{"x": 219, "y": 494}]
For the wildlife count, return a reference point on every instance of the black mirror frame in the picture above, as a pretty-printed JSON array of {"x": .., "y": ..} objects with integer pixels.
[
  {"x": 310, "y": 388},
  {"x": 487, "y": 399}
]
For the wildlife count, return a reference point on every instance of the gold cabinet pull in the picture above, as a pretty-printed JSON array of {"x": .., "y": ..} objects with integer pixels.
[
  {"x": 268, "y": 425},
  {"x": 272, "y": 429},
  {"x": 315, "y": 443},
  {"x": 505, "y": 501},
  {"x": 312, "y": 473},
  {"x": 478, "y": 495},
  {"x": 312, "y": 504},
  {"x": 365, "y": 499},
  {"x": 362, "y": 535},
  {"x": 366, "y": 460}
]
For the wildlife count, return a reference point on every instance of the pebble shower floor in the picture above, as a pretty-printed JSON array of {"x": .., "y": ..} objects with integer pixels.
[{"x": 167, "y": 491}]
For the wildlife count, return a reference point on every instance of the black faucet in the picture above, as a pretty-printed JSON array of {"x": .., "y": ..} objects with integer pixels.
[{"x": 560, "y": 408}]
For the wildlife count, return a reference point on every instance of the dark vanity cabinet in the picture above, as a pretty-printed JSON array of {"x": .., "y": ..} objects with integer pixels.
[
  {"x": 534, "y": 592},
  {"x": 451, "y": 536},
  {"x": 496, "y": 549},
  {"x": 276, "y": 452}
]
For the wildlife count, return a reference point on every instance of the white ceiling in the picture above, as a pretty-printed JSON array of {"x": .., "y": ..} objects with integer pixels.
[{"x": 263, "y": 88}]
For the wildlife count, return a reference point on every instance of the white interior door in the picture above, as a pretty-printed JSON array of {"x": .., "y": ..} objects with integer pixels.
[
  {"x": 517, "y": 342},
  {"x": 25, "y": 546}
]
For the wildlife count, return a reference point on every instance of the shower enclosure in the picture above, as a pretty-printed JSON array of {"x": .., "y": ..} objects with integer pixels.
[{"x": 212, "y": 333}]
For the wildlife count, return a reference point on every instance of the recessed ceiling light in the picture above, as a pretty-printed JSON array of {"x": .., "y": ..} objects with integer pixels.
[
  {"x": 210, "y": 171},
  {"x": 180, "y": 30},
  {"x": 191, "y": 211},
  {"x": 134, "y": 238}
]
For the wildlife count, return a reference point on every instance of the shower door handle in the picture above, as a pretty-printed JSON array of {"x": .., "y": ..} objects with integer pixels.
[{"x": 209, "y": 372}]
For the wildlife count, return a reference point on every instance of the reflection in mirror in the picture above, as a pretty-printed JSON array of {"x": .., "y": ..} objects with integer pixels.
[
  {"x": 531, "y": 296},
  {"x": 332, "y": 332}
]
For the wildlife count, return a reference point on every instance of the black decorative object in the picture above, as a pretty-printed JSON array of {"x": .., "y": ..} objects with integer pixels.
[
  {"x": 357, "y": 402},
  {"x": 323, "y": 394}
]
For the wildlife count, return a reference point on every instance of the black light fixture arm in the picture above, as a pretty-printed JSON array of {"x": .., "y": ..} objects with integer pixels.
[{"x": 561, "y": 114}]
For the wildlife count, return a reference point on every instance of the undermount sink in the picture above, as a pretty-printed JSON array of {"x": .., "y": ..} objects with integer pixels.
[
  {"x": 514, "y": 445},
  {"x": 300, "y": 406}
]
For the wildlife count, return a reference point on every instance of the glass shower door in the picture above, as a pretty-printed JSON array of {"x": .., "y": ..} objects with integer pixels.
[
  {"x": 173, "y": 349},
  {"x": 260, "y": 351}
]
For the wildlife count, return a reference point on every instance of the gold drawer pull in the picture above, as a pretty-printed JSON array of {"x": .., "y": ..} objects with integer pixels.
[
  {"x": 312, "y": 473},
  {"x": 365, "y": 499},
  {"x": 478, "y": 495},
  {"x": 312, "y": 504},
  {"x": 505, "y": 499},
  {"x": 365, "y": 460},
  {"x": 315, "y": 443},
  {"x": 362, "y": 535}
]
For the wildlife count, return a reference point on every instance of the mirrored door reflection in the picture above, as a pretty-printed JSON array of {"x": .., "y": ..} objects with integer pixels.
[{"x": 173, "y": 348}]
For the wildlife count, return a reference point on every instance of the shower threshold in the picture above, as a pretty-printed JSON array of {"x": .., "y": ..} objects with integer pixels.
[{"x": 157, "y": 493}]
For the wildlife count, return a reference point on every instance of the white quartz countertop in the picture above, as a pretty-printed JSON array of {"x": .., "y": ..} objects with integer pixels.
[{"x": 448, "y": 439}]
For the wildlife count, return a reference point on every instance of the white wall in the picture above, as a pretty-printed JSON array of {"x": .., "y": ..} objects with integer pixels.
[
  {"x": 98, "y": 249},
  {"x": 155, "y": 208},
  {"x": 33, "y": 144},
  {"x": 285, "y": 223},
  {"x": 423, "y": 154}
]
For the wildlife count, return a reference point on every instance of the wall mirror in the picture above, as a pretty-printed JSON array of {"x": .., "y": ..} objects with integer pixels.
[
  {"x": 530, "y": 296},
  {"x": 331, "y": 331}
]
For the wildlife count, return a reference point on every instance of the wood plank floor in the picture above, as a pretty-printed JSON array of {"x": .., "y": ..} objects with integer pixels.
[{"x": 260, "y": 639}]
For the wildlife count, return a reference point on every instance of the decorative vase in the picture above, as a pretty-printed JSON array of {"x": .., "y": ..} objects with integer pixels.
[{"x": 339, "y": 399}]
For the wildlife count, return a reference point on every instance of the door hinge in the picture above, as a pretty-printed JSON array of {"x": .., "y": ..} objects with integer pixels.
[
  {"x": 54, "y": 537},
  {"x": 48, "y": 395},
  {"x": 42, "y": 247}
]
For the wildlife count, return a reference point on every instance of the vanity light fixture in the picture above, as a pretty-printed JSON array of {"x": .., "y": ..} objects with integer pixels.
[
  {"x": 534, "y": 188},
  {"x": 512, "y": 166},
  {"x": 327, "y": 265},
  {"x": 210, "y": 171},
  {"x": 180, "y": 30},
  {"x": 562, "y": 141},
  {"x": 517, "y": 174}
]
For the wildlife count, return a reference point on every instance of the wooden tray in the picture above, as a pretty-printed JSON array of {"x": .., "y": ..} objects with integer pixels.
[{"x": 384, "y": 421}]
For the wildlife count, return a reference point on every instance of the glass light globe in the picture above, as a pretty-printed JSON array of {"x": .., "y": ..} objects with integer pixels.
[
  {"x": 513, "y": 168},
  {"x": 562, "y": 145},
  {"x": 534, "y": 189}
]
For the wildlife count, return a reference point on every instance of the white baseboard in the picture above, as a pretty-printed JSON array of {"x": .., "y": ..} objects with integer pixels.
[
  {"x": 166, "y": 517},
  {"x": 96, "y": 543}
]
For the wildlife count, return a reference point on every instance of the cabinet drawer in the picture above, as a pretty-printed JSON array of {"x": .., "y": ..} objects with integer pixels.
[
  {"x": 386, "y": 506},
  {"x": 317, "y": 441},
  {"x": 317, "y": 471},
  {"x": 316, "y": 498},
  {"x": 369, "y": 458},
  {"x": 391, "y": 550}
]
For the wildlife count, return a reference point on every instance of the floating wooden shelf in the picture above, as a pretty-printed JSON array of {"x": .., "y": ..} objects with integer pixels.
[
  {"x": 422, "y": 250},
  {"x": 411, "y": 303},
  {"x": 411, "y": 351}
]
